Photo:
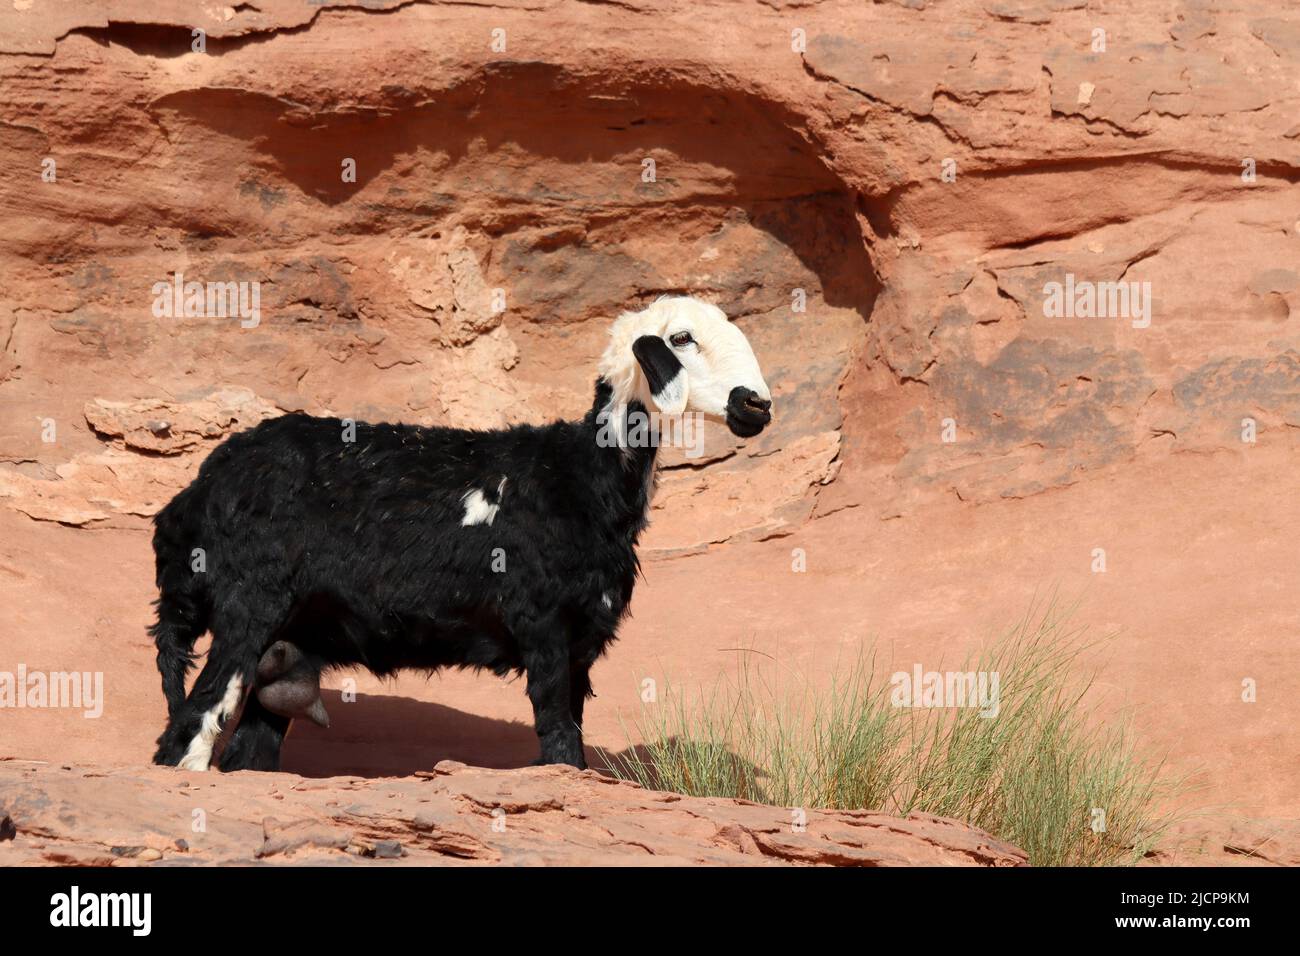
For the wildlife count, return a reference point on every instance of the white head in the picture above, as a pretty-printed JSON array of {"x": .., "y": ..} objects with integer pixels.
[{"x": 682, "y": 355}]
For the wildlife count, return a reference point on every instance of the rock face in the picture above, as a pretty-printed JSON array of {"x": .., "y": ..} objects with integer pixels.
[
  {"x": 451, "y": 815},
  {"x": 441, "y": 206},
  {"x": 1024, "y": 277}
]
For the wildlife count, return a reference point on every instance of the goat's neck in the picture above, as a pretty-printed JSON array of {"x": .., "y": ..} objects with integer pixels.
[{"x": 626, "y": 464}]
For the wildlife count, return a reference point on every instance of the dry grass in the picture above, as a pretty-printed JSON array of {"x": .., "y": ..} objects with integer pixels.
[{"x": 1035, "y": 774}]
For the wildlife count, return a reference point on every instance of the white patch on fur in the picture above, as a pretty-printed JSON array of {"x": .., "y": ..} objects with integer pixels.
[
  {"x": 478, "y": 510},
  {"x": 604, "y": 599},
  {"x": 199, "y": 753}
]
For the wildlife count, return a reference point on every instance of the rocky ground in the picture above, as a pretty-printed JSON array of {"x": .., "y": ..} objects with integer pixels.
[
  {"x": 451, "y": 814},
  {"x": 878, "y": 192}
]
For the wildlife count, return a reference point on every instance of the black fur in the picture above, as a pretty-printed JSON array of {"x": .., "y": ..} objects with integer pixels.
[
  {"x": 657, "y": 360},
  {"x": 355, "y": 553}
]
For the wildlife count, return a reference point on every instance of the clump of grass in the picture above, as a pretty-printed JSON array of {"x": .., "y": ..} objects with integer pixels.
[{"x": 1037, "y": 774}]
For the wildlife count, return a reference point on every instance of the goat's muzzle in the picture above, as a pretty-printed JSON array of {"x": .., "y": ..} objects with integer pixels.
[{"x": 747, "y": 413}]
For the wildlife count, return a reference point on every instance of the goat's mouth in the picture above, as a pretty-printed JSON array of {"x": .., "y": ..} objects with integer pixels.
[{"x": 747, "y": 414}]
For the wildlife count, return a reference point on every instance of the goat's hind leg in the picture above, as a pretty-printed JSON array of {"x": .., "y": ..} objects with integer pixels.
[
  {"x": 256, "y": 742},
  {"x": 238, "y": 636},
  {"x": 192, "y": 731}
]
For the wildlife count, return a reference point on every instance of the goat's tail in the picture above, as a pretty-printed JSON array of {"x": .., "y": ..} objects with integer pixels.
[
  {"x": 182, "y": 610},
  {"x": 180, "y": 624}
]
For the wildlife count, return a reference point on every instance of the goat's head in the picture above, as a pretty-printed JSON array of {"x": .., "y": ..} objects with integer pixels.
[{"x": 682, "y": 355}]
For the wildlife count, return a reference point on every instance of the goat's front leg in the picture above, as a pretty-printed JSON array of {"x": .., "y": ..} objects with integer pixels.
[
  {"x": 579, "y": 689},
  {"x": 549, "y": 691}
]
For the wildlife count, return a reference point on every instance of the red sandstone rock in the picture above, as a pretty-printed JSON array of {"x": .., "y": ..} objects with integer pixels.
[
  {"x": 454, "y": 815},
  {"x": 779, "y": 170}
]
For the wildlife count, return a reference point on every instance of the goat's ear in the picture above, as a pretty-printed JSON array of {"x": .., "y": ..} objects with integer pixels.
[{"x": 663, "y": 373}]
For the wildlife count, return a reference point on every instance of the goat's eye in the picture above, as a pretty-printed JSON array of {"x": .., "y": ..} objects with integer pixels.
[{"x": 680, "y": 339}]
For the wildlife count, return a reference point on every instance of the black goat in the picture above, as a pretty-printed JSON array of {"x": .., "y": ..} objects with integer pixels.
[{"x": 397, "y": 546}]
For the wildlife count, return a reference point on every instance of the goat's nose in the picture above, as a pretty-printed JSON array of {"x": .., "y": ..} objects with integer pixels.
[{"x": 746, "y": 403}]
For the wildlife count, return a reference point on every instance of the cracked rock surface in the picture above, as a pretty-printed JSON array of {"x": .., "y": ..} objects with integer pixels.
[{"x": 454, "y": 815}]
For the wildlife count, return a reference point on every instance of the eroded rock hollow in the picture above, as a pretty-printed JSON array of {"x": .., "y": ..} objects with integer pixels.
[{"x": 441, "y": 206}]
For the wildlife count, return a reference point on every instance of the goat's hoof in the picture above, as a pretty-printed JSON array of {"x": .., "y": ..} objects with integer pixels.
[{"x": 578, "y": 763}]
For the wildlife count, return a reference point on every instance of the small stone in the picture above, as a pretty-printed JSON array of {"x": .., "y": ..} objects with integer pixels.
[
  {"x": 1085, "y": 93},
  {"x": 387, "y": 850},
  {"x": 149, "y": 854}
]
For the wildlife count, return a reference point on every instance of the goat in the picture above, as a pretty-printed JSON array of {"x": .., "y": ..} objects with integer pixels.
[{"x": 511, "y": 550}]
